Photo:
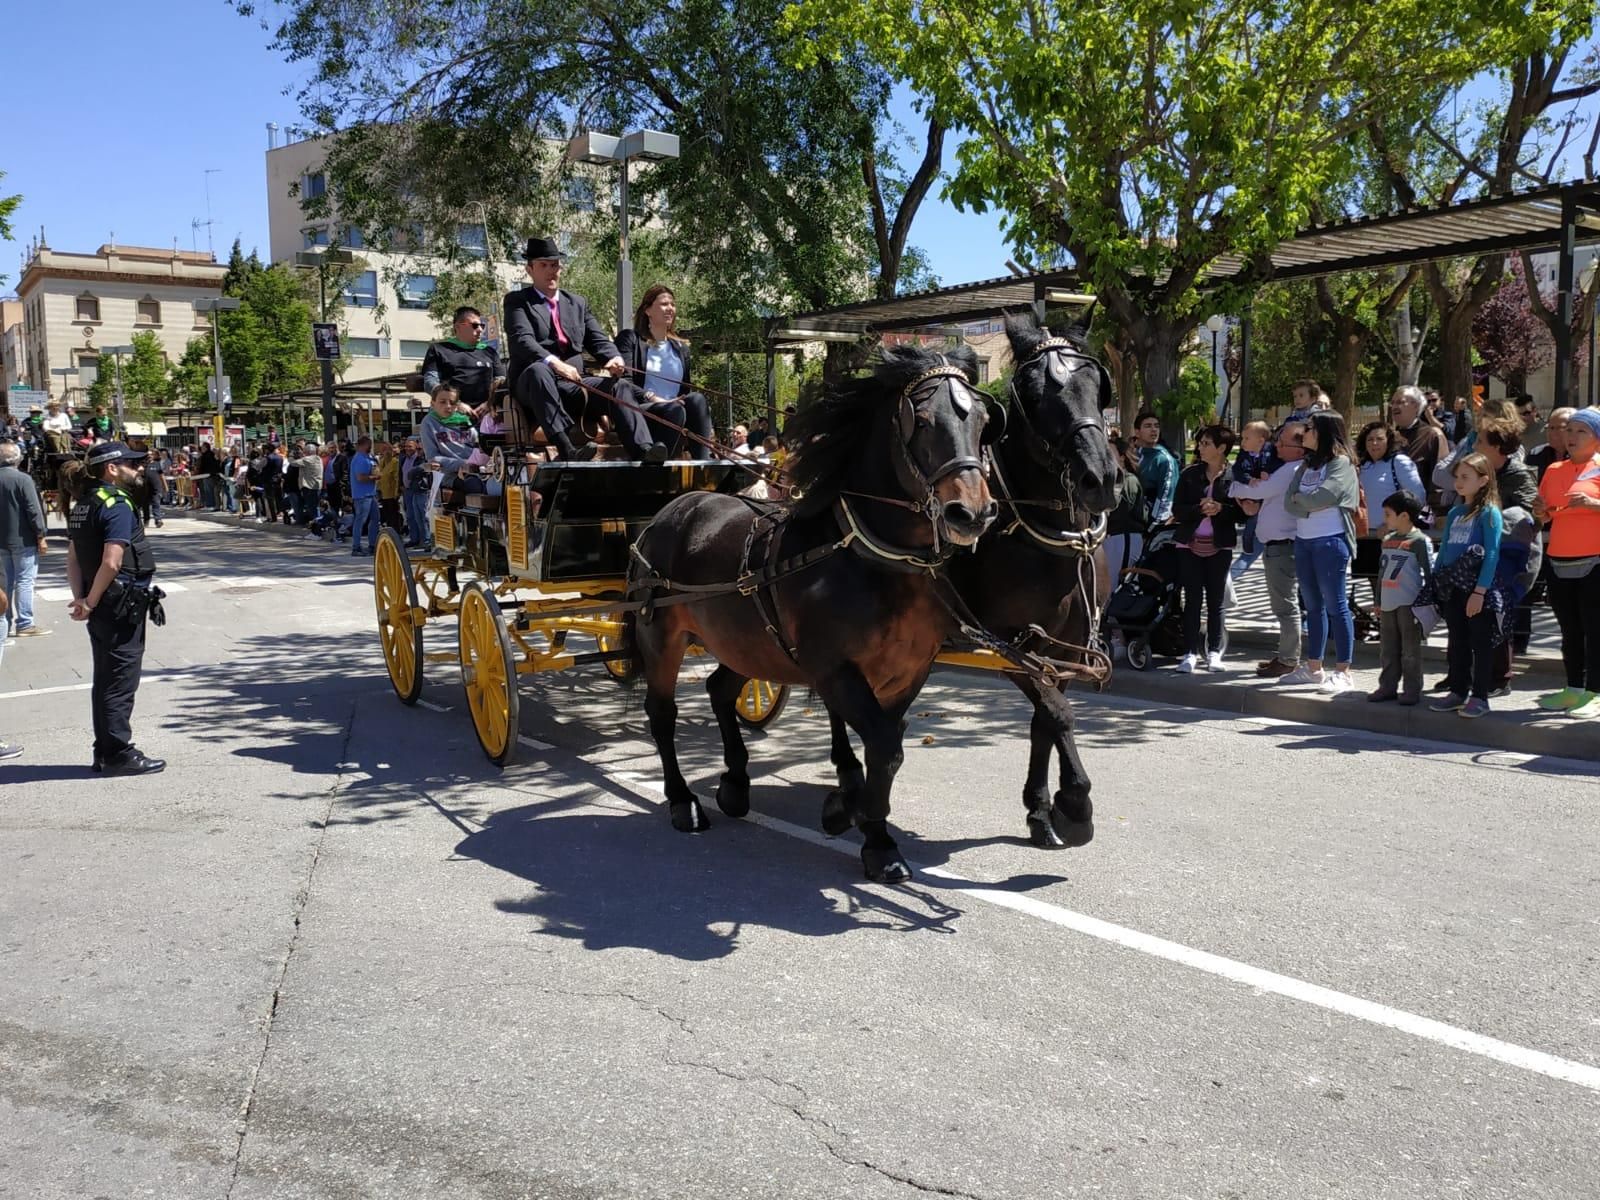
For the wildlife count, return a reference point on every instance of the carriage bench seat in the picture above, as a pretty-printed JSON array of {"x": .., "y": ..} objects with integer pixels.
[{"x": 483, "y": 502}]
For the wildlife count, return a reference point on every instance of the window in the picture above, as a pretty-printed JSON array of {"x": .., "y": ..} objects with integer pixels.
[
  {"x": 410, "y": 349},
  {"x": 350, "y": 236},
  {"x": 313, "y": 185},
  {"x": 984, "y": 370},
  {"x": 363, "y": 290},
  {"x": 579, "y": 194},
  {"x": 315, "y": 236},
  {"x": 408, "y": 237},
  {"x": 147, "y": 312},
  {"x": 472, "y": 242},
  {"x": 415, "y": 291},
  {"x": 88, "y": 369},
  {"x": 88, "y": 308},
  {"x": 365, "y": 347}
]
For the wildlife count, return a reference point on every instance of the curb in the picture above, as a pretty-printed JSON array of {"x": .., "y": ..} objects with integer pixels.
[{"x": 1520, "y": 730}]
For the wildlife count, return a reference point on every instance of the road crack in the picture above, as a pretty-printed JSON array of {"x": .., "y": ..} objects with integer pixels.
[{"x": 301, "y": 899}]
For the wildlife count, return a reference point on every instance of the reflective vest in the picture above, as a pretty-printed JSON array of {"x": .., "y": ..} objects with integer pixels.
[{"x": 87, "y": 532}]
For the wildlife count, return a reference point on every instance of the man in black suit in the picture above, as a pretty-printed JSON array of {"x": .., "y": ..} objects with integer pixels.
[{"x": 547, "y": 331}]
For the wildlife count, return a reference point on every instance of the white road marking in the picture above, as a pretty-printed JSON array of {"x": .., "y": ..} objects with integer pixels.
[
  {"x": 533, "y": 743},
  {"x": 84, "y": 687},
  {"x": 432, "y": 707},
  {"x": 1426, "y": 1028}
]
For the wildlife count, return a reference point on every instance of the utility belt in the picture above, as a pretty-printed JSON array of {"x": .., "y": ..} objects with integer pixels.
[{"x": 130, "y": 603}]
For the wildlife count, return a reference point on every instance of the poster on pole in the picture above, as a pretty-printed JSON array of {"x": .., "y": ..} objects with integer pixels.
[{"x": 325, "y": 340}]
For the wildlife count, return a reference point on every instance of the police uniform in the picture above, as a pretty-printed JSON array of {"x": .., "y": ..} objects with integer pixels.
[{"x": 106, "y": 514}]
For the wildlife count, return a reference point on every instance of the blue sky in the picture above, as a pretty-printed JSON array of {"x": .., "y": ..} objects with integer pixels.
[{"x": 114, "y": 132}]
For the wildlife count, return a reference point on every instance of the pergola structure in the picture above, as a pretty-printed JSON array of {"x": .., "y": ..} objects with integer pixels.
[
  {"x": 362, "y": 396},
  {"x": 1556, "y": 216}
]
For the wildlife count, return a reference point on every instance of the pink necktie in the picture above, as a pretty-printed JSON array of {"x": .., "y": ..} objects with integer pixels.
[{"x": 555, "y": 319}]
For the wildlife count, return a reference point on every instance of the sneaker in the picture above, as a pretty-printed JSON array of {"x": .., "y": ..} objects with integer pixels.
[
  {"x": 1187, "y": 664},
  {"x": 1214, "y": 661},
  {"x": 1273, "y": 668},
  {"x": 1565, "y": 700},
  {"x": 1442, "y": 686},
  {"x": 1336, "y": 683},
  {"x": 1587, "y": 711},
  {"x": 1303, "y": 674},
  {"x": 1450, "y": 703},
  {"x": 1473, "y": 708},
  {"x": 9, "y": 750},
  {"x": 34, "y": 631},
  {"x": 1501, "y": 692}
]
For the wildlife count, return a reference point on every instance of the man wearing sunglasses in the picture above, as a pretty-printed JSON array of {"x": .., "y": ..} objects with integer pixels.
[{"x": 465, "y": 361}]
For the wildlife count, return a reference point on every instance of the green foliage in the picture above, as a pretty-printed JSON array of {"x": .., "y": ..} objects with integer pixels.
[
  {"x": 787, "y": 194},
  {"x": 189, "y": 374},
  {"x": 8, "y": 206},
  {"x": 146, "y": 379},
  {"x": 265, "y": 343},
  {"x": 1149, "y": 138},
  {"x": 1194, "y": 401}
]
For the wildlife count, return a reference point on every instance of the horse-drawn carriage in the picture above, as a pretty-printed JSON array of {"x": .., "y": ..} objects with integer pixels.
[{"x": 889, "y": 558}]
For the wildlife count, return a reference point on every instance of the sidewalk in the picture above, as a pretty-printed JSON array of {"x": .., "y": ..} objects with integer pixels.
[{"x": 1516, "y": 724}]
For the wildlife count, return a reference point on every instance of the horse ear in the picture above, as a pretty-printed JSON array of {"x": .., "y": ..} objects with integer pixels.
[
  {"x": 1024, "y": 334},
  {"x": 995, "y": 429}
]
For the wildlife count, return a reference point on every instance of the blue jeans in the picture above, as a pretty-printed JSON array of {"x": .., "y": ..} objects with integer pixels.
[
  {"x": 417, "y": 531},
  {"x": 1323, "y": 567},
  {"x": 19, "y": 568},
  {"x": 366, "y": 521}
]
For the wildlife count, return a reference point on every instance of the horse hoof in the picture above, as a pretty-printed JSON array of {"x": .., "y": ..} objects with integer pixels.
[
  {"x": 733, "y": 798},
  {"x": 1043, "y": 835},
  {"x": 1072, "y": 833},
  {"x": 689, "y": 817},
  {"x": 1074, "y": 807},
  {"x": 837, "y": 812},
  {"x": 885, "y": 866}
]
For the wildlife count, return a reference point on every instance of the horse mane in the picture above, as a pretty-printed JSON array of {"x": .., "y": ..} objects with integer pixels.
[
  {"x": 1026, "y": 335},
  {"x": 825, "y": 437}
]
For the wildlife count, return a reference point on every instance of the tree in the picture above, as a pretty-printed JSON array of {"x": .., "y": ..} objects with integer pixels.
[
  {"x": 1494, "y": 149},
  {"x": 1511, "y": 332},
  {"x": 146, "y": 378},
  {"x": 788, "y": 191},
  {"x": 8, "y": 206},
  {"x": 1160, "y": 141},
  {"x": 190, "y": 373}
]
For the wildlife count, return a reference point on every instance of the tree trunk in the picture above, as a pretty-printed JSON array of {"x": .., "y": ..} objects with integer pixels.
[
  {"x": 1407, "y": 353},
  {"x": 1455, "y": 352},
  {"x": 1351, "y": 347},
  {"x": 1158, "y": 347}
]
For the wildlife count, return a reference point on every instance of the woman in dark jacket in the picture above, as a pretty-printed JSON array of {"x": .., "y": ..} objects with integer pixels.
[
  {"x": 1207, "y": 521},
  {"x": 657, "y": 360}
]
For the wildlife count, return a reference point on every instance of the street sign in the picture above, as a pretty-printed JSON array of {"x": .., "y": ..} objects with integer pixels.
[
  {"x": 19, "y": 400},
  {"x": 325, "y": 340},
  {"x": 226, "y": 391}
]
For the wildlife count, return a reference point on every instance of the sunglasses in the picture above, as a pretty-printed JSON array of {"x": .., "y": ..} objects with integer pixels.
[{"x": 475, "y": 325}]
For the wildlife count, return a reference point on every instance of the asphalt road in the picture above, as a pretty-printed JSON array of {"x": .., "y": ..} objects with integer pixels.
[{"x": 332, "y": 953}]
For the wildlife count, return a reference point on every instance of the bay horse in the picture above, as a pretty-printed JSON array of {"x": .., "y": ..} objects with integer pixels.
[
  {"x": 836, "y": 591},
  {"x": 1056, "y": 478}
]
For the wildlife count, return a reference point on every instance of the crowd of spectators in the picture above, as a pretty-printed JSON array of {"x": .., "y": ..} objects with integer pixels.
[{"x": 1433, "y": 516}]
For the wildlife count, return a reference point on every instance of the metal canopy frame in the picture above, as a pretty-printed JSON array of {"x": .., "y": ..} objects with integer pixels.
[{"x": 1558, "y": 216}]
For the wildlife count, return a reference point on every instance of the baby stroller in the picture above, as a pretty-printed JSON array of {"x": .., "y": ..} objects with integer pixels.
[{"x": 1147, "y": 606}]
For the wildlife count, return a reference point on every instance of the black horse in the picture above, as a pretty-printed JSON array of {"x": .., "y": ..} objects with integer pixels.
[
  {"x": 837, "y": 591},
  {"x": 1056, "y": 477}
]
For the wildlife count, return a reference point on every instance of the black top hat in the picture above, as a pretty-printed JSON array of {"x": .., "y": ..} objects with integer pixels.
[{"x": 542, "y": 247}]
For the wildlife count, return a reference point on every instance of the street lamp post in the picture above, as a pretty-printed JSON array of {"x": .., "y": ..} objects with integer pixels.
[
  {"x": 1216, "y": 323},
  {"x": 319, "y": 261},
  {"x": 216, "y": 306},
  {"x": 645, "y": 145},
  {"x": 116, "y": 353}
]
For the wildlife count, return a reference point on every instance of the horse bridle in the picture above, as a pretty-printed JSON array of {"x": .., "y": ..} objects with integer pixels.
[
  {"x": 917, "y": 483},
  {"x": 1056, "y": 459}
]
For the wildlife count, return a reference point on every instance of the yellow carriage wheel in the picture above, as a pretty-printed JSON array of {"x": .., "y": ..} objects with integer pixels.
[
  {"x": 760, "y": 702},
  {"x": 400, "y": 619},
  {"x": 618, "y": 670},
  {"x": 489, "y": 673}
]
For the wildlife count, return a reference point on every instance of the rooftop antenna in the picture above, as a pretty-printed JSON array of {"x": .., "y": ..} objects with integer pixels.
[{"x": 210, "y": 171}]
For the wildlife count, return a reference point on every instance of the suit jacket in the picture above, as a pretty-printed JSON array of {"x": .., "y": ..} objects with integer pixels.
[
  {"x": 531, "y": 336},
  {"x": 632, "y": 347}
]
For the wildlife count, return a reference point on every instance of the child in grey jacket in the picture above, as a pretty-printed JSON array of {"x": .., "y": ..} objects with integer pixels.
[{"x": 1405, "y": 565}]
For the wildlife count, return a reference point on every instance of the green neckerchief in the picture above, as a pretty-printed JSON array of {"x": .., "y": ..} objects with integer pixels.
[
  {"x": 455, "y": 420},
  {"x": 455, "y": 341}
]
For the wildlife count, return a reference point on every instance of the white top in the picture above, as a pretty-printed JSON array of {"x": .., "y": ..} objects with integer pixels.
[
  {"x": 1325, "y": 522},
  {"x": 663, "y": 369},
  {"x": 58, "y": 422},
  {"x": 1273, "y": 524}
]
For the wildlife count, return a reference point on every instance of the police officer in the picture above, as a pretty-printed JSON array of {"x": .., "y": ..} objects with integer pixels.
[{"x": 110, "y": 568}]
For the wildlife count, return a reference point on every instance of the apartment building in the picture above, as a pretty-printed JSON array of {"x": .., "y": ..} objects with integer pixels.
[
  {"x": 12, "y": 356},
  {"x": 73, "y": 305},
  {"x": 385, "y": 322}
]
